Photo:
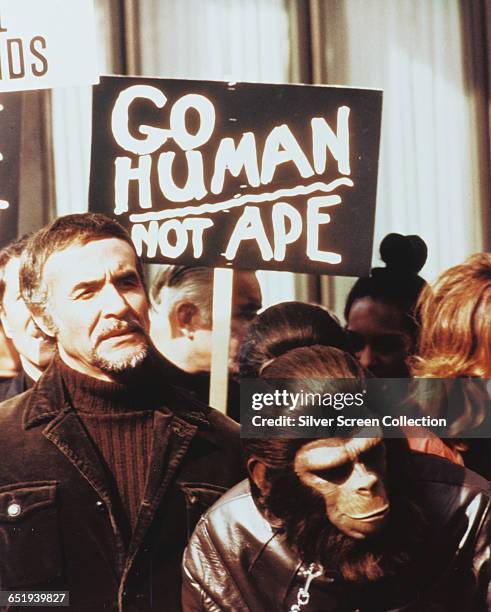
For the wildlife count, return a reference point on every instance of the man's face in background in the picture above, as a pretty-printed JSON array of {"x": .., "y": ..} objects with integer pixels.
[
  {"x": 246, "y": 301},
  {"x": 29, "y": 341}
]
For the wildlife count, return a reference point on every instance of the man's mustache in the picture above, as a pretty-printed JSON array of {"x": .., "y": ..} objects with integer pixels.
[{"x": 119, "y": 327}]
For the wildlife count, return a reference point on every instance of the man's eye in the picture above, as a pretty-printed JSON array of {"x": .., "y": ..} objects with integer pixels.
[
  {"x": 336, "y": 474},
  {"x": 129, "y": 282},
  {"x": 85, "y": 295}
]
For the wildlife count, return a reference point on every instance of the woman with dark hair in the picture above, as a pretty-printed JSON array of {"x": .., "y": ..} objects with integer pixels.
[
  {"x": 455, "y": 343},
  {"x": 380, "y": 309},
  {"x": 286, "y": 326}
]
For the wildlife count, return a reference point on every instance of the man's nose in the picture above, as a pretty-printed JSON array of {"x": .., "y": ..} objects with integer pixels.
[
  {"x": 367, "y": 357},
  {"x": 114, "y": 302}
]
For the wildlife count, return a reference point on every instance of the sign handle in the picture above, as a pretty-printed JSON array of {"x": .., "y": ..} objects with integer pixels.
[{"x": 220, "y": 339}]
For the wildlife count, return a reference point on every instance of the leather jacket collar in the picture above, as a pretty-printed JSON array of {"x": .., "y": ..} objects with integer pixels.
[{"x": 48, "y": 398}]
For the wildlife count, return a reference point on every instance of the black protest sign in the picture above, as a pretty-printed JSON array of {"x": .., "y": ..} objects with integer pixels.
[
  {"x": 251, "y": 176},
  {"x": 10, "y": 131}
]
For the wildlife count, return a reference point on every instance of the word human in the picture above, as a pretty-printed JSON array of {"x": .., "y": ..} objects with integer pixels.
[{"x": 174, "y": 230}]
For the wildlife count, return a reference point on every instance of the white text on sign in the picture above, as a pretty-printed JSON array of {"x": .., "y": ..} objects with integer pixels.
[{"x": 172, "y": 230}]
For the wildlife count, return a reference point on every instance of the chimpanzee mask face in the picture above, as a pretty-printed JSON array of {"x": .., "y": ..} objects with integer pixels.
[{"x": 350, "y": 476}]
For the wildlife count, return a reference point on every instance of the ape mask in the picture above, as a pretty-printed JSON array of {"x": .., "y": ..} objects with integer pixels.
[
  {"x": 338, "y": 502},
  {"x": 351, "y": 478}
]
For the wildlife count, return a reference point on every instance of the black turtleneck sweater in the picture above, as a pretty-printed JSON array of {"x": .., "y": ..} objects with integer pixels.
[{"x": 119, "y": 419}]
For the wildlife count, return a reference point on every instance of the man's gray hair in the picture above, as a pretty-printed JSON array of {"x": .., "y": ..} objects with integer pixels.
[
  {"x": 78, "y": 228},
  {"x": 184, "y": 283}
]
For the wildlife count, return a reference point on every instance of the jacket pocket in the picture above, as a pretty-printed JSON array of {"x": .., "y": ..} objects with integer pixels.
[
  {"x": 199, "y": 497},
  {"x": 29, "y": 534}
]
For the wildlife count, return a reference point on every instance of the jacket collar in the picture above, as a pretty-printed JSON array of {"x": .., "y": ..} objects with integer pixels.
[{"x": 48, "y": 398}]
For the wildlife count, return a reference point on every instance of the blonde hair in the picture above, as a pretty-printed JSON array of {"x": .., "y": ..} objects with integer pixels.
[
  {"x": 455, "y": 314},
  {"x": 455, "y": 341}
]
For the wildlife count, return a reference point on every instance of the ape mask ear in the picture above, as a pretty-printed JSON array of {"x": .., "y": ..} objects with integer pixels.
[{"x": 257, "y": 472}]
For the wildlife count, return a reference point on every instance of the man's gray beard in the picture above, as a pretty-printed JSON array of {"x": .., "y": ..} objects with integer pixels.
[{"x": 121, "y": 365}]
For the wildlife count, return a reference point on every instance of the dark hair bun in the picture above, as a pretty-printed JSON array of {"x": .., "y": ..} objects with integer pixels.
[
  {"x": 403, "y": 254},
  {"x": 284, "y": 327}
]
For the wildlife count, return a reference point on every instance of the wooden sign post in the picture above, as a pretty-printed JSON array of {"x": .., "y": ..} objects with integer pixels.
[
  {"x": 238, "y": 175},
  {"x": 220, "y": 340}
]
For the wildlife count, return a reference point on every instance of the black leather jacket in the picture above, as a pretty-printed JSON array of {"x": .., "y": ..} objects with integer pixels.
[{"x": 235, "y": 561}]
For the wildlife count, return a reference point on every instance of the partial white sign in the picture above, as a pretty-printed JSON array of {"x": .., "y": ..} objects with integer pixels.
[{"x": 47, "y": 43}]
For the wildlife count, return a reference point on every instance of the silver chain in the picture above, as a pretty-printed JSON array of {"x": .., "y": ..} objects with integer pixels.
[{"x": 303, "y": 596}]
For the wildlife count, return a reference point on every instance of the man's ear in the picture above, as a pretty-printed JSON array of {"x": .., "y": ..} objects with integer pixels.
[
  {"x": 45, "y": 324},
  {"x": 187, "y": 315},
  {"x": 5, "y": 325},
  {"x": 257, "y": 472}
]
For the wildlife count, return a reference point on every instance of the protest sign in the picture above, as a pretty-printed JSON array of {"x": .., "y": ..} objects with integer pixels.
[
  {"x": 46, "y": 44},
  {"x": 241, "y": 175},
  {"x": 10, "y": 131}
]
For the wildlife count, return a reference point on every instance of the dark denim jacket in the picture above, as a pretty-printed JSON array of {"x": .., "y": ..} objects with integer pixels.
[{"x": 62, "y": 529}]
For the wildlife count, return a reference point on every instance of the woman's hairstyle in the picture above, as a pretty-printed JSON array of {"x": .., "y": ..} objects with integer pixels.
[
  {"x": 311, "y": 369},
  {"x": 455, "y": 314},
  {"x": 284, "y": 327},
  {"x": 313, "y": 362},
  {"x": 398, "y": 283},
  {"x": 455, "y": 343}
]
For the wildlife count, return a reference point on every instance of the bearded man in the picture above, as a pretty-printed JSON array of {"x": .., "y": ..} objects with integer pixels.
[
  {"x": 104, "y": 466},
  {"x": 341, "y": 524}
]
